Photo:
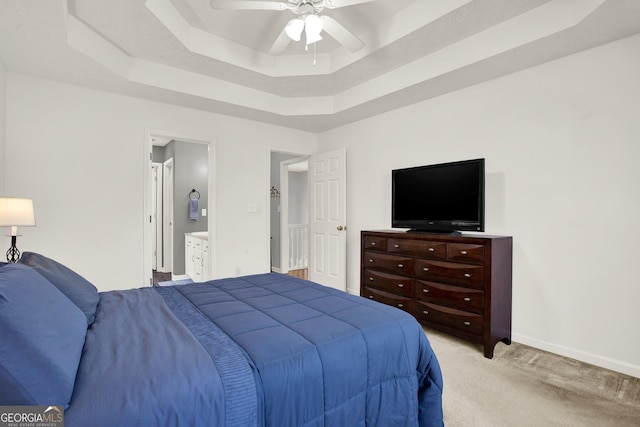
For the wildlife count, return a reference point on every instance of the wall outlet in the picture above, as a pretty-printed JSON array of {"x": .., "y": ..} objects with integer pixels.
[
  {"x": 253, "y": 208},
  {"x": 204, "y": 212}
]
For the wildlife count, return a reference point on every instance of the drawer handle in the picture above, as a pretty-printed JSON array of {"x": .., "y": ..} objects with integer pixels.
[
  {"x": 463, "y": 252},
  {"x": 425, "y": 268},
  {"x": 467, "y": 275},
  {"x": 400, "y": 265},
  {"x": 370, "y": 296},
  {"x": 400, "y": 305},
  {"x": 426, "y": 291},
  {"x": 371, "y": 278},
  {"x": 396, "y": 246},
  {"x": 373, "y": 243},
  {"x": 425, "y": 312},
  {"x": 400, "y": 285},
  {"x": 467, "y": 323},
  {"x": 370, "y": 260},
  {"x": 432, "y": 250},
  {"x": 467, "y": 299}
]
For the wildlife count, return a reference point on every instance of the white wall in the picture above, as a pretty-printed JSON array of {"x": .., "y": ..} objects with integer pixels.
[
  {"x": 79, "y": 154},
  {"x": 3, "y": 109},
  {"x": 561, "y": 143}
]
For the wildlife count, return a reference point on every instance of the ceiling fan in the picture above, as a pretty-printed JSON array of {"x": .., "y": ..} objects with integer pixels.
[{"x": 307, "y": 20}]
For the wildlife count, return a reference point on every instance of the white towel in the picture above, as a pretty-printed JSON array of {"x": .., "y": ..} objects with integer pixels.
[{"x": 194, "y": 209}]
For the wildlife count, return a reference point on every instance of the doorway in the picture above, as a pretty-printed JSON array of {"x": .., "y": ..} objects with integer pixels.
[
  {"x": 294, "y": 218},
  {"x": 176, "y": 166},
  {"x": 327, "y": 229},
  {"x": 288, "y": 210},
  {"x": 166, "y": 219}
]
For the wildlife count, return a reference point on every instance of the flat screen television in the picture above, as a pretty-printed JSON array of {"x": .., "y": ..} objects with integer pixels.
[{"x": 442, "y": 198}]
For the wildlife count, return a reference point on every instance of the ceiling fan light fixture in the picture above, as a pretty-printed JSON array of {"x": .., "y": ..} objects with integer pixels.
[
  {"x": 312, "y": 28},
  {"x": 294, "y": 29}
]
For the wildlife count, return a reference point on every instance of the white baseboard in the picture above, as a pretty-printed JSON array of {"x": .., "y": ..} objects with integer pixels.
[
  {"x": 275, "y": 269},
  {"x": 583, "y": 356},
  {"x": 180, "y": 277}
]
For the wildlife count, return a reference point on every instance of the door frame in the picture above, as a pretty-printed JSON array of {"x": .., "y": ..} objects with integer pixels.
[
  {"x": 284, "y": 211},
  {"x": 156, "y": 220},
  {"x": 167, "y": 216},
  {"x": 149, "y": 136},
  {"x": 267, "y": 192}
]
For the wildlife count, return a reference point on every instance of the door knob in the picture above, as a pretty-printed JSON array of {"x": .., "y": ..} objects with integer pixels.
[{"x": 340, "y": 228}]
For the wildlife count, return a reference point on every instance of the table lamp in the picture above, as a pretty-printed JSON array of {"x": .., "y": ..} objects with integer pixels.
[{"x": 14, "y": 213}]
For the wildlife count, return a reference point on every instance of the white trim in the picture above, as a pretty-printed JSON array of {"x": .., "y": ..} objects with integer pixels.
[
  {"x": 156, "y": 190},
  {"x": 167, "y": 215},
  {"x": 284, "y": 210},
  {"x": 583, "y": 356},
  {"x": 267, "y": 193}
]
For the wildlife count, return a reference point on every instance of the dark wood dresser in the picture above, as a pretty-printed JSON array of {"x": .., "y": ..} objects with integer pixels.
[{"x": 458, "y": 284}]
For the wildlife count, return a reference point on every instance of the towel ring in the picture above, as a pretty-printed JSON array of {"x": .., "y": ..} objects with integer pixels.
[{"x": 197, "y": 194}]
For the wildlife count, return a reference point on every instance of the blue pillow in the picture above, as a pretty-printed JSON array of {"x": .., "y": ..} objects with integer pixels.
[
  {"x": 81, "y": 292},
  {"x": 42, "y": 338}
]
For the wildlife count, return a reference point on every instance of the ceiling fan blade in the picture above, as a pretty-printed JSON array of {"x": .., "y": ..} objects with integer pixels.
[
  {"x": 341, "y": 34},
  {"x": 334, "y": 4},
  {"x": 280, "y": 44},
  {"x": 248, "y": 5}
]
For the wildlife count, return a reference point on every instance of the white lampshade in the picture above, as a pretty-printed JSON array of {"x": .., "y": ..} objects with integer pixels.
[
  {"x": 312, "y": 28},
  {"x": 16, "y": 212},
  {"x": 294, "y": 29}
]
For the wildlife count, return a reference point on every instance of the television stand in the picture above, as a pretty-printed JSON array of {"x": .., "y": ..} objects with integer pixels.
[{"x": 457, "y": 284}]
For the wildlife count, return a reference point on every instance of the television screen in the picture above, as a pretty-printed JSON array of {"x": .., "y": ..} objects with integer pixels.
[{"x": 439, "y": 198}]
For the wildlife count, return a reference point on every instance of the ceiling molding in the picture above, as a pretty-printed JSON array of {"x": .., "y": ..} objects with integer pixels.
[
  {"x": 423, "y": 49},
  {"x": 557, "y": 15}
]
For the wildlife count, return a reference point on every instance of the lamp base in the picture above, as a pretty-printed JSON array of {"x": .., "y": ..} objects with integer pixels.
[{"x": 13, "y": 254}]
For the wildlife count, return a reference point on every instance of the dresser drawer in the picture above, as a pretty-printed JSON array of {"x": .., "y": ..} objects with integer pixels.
[
  {"x": 464, "y": 252},
  {"x": 457, "y": 319},
  {"x": 375, "y": 243},
  {"x": 422, "y": 248},
  {"x": 389, "y": 282},
  {"x": 459, "y": 284},
  {"x": 452, "y": 296},
  {"x": 389, "y": 263},
  {"x": 404, "y": 303},
  {"x": 450, "y": 272}
]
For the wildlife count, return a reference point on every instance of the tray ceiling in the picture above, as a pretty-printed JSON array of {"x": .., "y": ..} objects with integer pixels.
[{"x": 186, "y": 53}]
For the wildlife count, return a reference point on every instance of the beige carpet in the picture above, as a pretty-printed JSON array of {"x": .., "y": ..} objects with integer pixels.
[{"x": 522, "y": 386}]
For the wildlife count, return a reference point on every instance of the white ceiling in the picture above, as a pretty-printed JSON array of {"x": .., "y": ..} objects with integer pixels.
[{"x": 186, "y": 53}]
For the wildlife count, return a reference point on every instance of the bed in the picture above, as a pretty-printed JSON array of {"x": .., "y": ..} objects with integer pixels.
[{"x": 260, "y": 350}]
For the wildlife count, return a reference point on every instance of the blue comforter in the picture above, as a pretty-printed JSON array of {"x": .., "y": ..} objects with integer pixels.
[{"x": 263, "y": 350}]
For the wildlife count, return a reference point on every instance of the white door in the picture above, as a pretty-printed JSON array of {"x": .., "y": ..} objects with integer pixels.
[{"x": 327, "y": 222}]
